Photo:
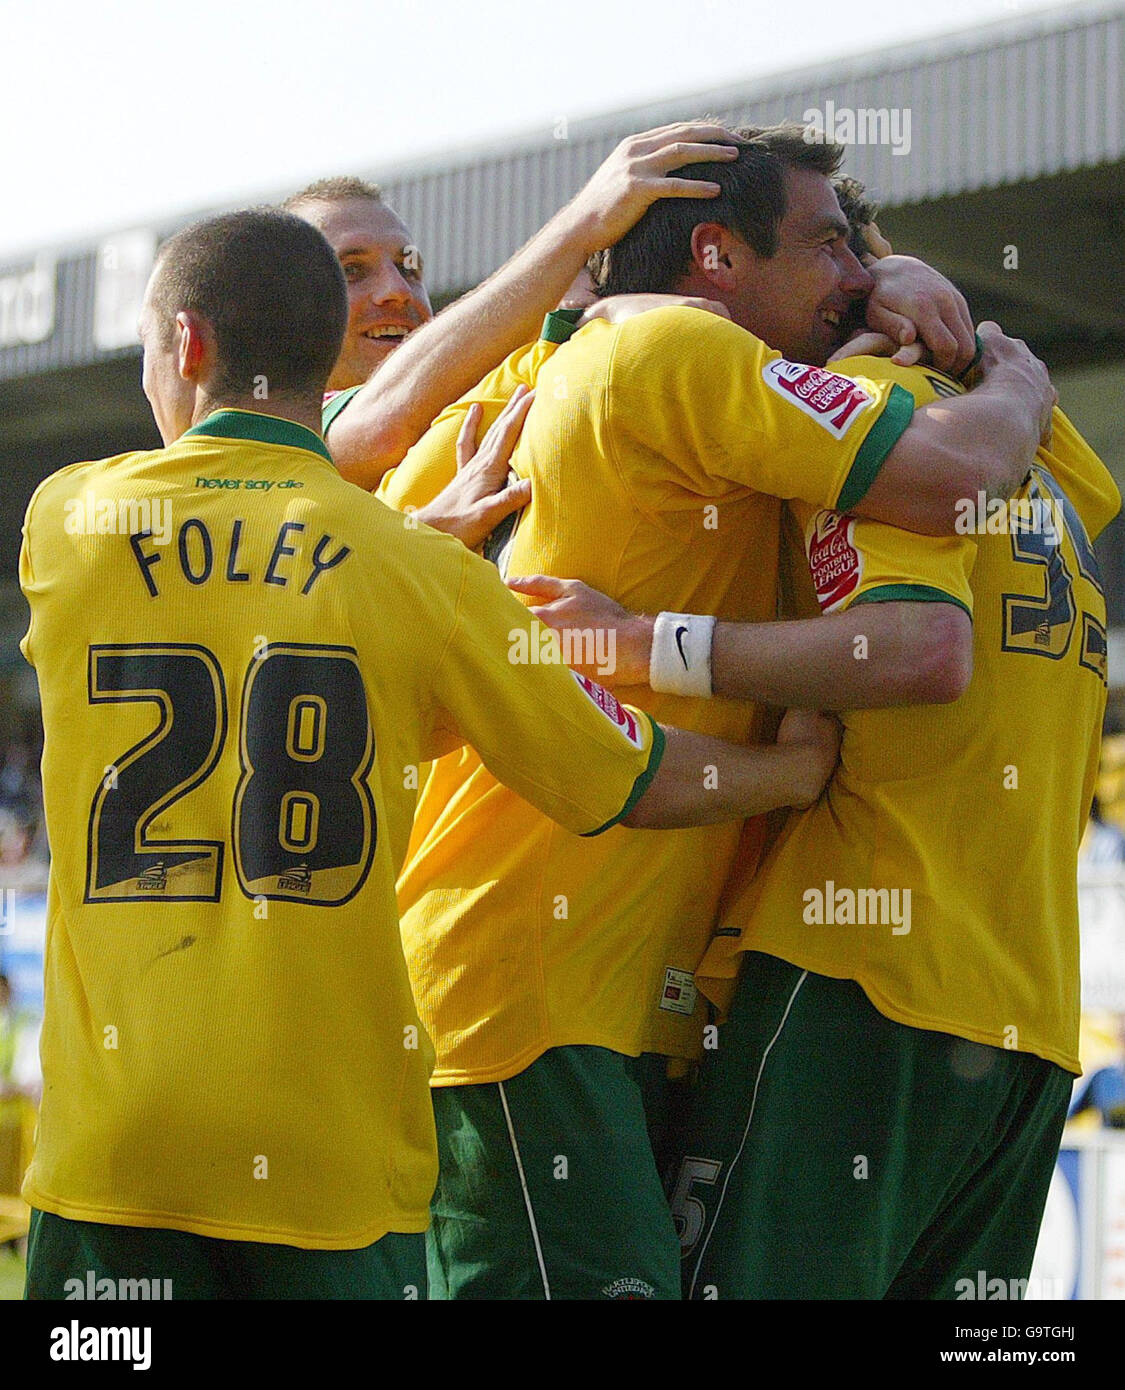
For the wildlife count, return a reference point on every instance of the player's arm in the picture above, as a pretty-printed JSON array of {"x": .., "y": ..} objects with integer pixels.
[
  {"x": 569, "y": 748},
  {"x": 983, "y": 441},
  {"x": 872, "y": 656},
  {"x": 800, "y": 432},
  {"x": 750, "y": 780},
  {"x": 895, "y": 625},
  {"x": 444, "y": 358}
]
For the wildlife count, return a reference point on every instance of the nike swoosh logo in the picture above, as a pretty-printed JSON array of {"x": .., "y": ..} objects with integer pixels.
[{"x": 680, "y": 644}]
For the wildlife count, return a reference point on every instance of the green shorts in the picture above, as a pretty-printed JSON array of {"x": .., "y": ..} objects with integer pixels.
[
  {"x": 67, "y": 1260},
  {"x": 549, "y": 1185},
  {"x": 833, "y": 1153}
]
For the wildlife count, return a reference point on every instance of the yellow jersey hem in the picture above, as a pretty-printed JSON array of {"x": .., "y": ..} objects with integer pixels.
[
  {"x": 406, "y": 1224},
  {"x": 927, "y": 1022},
  {"x": 504, "y": 1071}
]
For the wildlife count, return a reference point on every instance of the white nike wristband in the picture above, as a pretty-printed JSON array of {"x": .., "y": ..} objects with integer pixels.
[{"x": 680, "y": 662}]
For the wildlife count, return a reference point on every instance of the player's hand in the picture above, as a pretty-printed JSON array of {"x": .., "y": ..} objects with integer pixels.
[
  {"x": 569, "y": 604},
  {"x": 481, "y": 495},
  {"x": 913, "y": 301},
  {"x": 870, "y": 344},
  {"x": 818, "y": 736},
  {"x": 619, "y": 307},
  {"x": 635, "y": 175},
  {"x": 877, "y": 244},
  {"x": 1010, "y": 362}
]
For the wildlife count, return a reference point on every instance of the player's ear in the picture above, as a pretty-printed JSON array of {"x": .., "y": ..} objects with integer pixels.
[
  {"x": 711, "y": 254},
  {"x": 193, "y": 340}
]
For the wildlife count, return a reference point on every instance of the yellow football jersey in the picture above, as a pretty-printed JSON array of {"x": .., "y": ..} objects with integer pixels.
[
  {"x": 242, "y": 661},
  {"x": 432, "y": 462},
  {"x": 657, "y": 450},
  {"x": 938, "y": 870}
]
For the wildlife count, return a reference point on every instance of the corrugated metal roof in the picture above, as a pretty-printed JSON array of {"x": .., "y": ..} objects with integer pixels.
[{"x": 1033, "y": 96}]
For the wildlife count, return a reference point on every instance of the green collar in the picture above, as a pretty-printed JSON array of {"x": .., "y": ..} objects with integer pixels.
[
  {"x": 559, "y": 325},
  {"x": 265, "y": 429}
]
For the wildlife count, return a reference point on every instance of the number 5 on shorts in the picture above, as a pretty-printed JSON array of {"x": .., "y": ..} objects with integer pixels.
[{"x": 688, "y": 1211}]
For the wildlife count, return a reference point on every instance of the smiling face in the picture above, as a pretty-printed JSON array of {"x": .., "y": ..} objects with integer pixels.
[
  {"x": 798, "y": 300},
  {"x": 386, "y": 296}
]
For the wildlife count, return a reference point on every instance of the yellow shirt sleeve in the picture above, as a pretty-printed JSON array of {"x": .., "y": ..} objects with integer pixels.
[
  {"x": 432, "y": 462},
  {"x": 854, "y": 560},
  {"x": 561, "y": 741},
  {"x": 721, "y": 406},
  {"x": 1083, "y": 476}
]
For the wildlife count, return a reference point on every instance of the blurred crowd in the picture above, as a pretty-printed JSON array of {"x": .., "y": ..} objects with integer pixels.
[{"x": 23, "y": 842}]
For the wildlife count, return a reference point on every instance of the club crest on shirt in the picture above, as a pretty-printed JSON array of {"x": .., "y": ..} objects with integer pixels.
[
  {"x": 629, "y": 1289},
  {"x": 836, "y": 564},
  {"x": 834, "y": 402}
]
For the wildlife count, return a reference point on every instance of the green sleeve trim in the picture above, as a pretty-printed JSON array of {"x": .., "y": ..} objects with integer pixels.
[
  {"x": 910, "y": 593},
  {"x": 560, "y": 324},
  {"x": 329, "y": 412},
  {"x": 883, "y": 435},
  {"x": 641, "y": 785}
]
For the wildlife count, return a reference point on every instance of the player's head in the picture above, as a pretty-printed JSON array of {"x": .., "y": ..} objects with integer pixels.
[
  {"x": 860, "y": 212},
  {"x": 773, "y": 246},
  {"x": 245, "y": 309},
  {"x": 383, "y": 270}
]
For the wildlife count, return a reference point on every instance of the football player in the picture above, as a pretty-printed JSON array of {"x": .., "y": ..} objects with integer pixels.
[
  {"x": 415, "y": 364},
  {"x": 906, "y": 1017},
  {"x": 242, "y": 660},
  {"x": 658, "y": 448}
]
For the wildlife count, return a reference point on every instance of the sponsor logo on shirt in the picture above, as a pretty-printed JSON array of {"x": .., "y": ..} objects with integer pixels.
[
  {"x": 836, "y": 564},
  {"x": 834, "y": 402},
  {"x": 612, "y": 708},
  {"x": 295, "y": 880},
  {"x": 154, "y": 880}
]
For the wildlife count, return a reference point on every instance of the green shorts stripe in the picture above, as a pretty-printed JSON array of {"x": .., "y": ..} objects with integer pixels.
[
  {"x": 549, "y": 1185},
  {"x": 831, "y": 1152}
]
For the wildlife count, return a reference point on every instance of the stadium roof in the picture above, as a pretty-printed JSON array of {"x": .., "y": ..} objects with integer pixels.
[{"x": 1003, "y": 105}]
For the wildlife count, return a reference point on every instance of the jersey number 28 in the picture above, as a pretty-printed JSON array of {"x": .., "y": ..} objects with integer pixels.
[{"x": 302, "y": 820}]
